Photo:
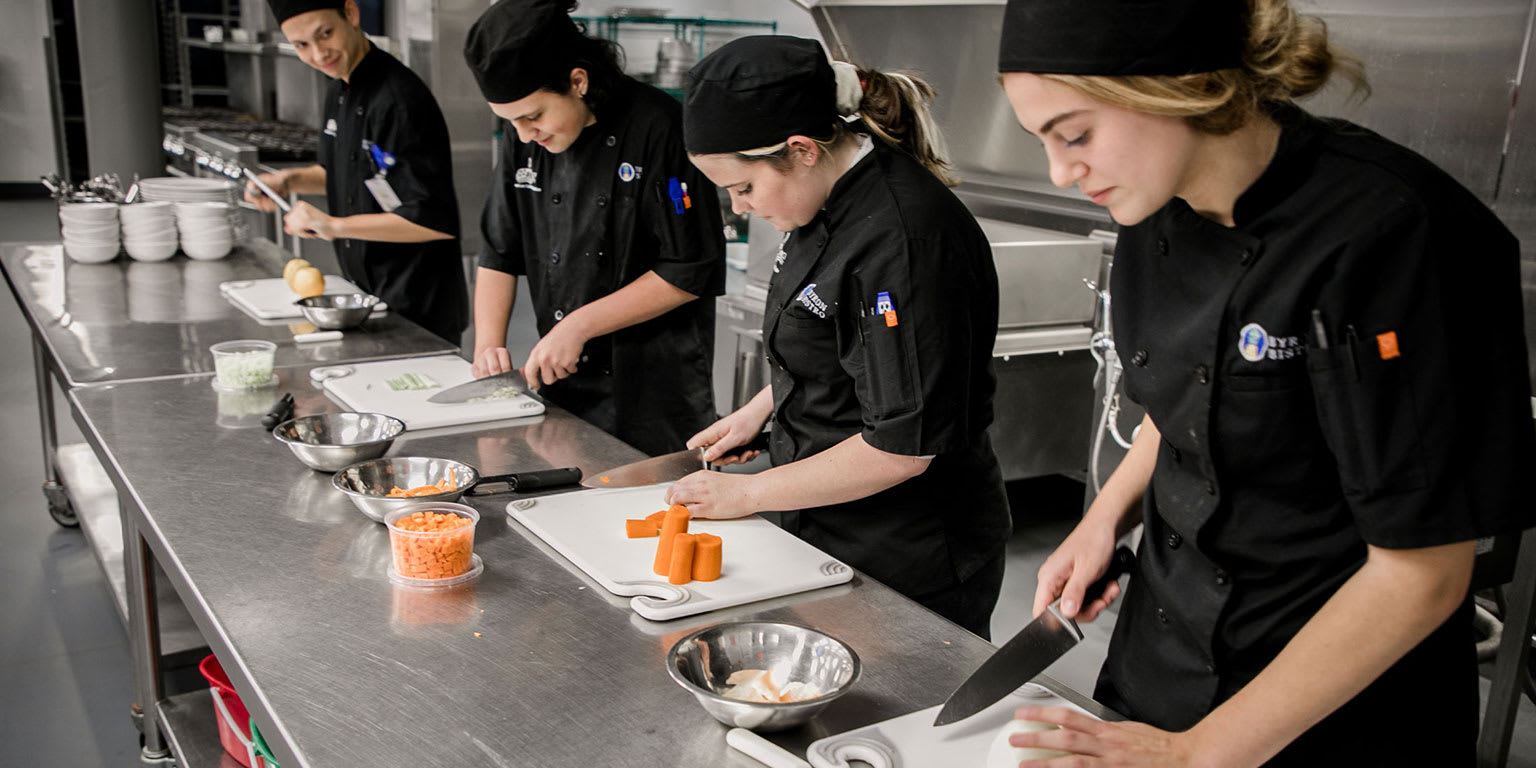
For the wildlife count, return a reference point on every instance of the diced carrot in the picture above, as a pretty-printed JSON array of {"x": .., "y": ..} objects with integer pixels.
[
  {"x": 706, "y": 557},
  {"x": 432, "y": 557},
  {"x": 639, "y": 529},
  {"x": 680, "y": 570},
  {"x": 674, "y": 523}
]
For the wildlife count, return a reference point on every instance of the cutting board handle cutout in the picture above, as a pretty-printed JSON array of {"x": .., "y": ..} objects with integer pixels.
[
  {"x": 653, "y": 594},
  {"x": 876, "y": 753}
]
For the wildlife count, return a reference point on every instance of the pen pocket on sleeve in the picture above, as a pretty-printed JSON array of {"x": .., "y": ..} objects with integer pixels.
[
  {"x": 1365, "y": 409},
  {"x": 888, "y": 356}
]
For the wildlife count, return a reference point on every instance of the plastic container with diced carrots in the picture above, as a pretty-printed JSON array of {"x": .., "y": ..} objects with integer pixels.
[{"x": 432, "y": 544}]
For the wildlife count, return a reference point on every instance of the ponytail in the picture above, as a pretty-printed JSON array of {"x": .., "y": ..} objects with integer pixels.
[{"x": 897, "y": 109}]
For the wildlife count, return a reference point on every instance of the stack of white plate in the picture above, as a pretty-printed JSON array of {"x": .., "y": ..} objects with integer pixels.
[
  {"x": 205, "y": 231},
  {"x": 149, "y": 230},
  {"x": 90, "y": 231},
  {"x": 179, "y": 189}
]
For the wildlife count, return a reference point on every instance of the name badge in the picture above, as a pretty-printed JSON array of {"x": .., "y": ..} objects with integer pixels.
[{"x": 383, "y": 193}]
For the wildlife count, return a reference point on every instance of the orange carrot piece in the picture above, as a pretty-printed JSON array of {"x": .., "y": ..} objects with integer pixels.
[
  {"x": 706, "y": 557},
  {"x": 681, "y": 568},
  {"x": 674, "y": 523},
  {"x": 640, "y": 529},
  {"x": 657, "y": 517}
]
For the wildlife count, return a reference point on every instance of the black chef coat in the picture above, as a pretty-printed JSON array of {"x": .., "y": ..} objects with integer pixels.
[
  {"x": 920, "y": 387},
  {"x": 586, "y": 222},
  {"x": 1282, "y": 460},
  {"x": 388, "y": 105}
]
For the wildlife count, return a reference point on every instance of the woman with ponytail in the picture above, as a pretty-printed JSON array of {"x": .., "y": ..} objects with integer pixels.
[
  {"x": 881, "y": 316},
  {"x": 1326, "y": 332}
]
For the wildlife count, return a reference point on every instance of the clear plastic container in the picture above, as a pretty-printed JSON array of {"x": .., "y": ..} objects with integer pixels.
[
  {"x": 432, "y": 558},
  {"x": 243, "y": 364}
]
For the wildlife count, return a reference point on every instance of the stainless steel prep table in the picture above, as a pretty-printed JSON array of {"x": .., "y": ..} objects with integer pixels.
[{"x": 534, "y": 664}]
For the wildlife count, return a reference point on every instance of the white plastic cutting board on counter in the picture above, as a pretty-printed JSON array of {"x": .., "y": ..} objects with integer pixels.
[
  {"x": 272, "y": 299},
  {"x": 759, "y": 560},
  {"x": 912, "y": 741},
  {"x": 365, "y": 387}
]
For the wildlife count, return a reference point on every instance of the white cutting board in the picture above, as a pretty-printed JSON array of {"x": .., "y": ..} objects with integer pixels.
[
  {"x": 272, "y": 299},
  {"x": 365, "y": 387},
  {"x": 759, "y": 560},
  {"x": 911, "y": 741}
]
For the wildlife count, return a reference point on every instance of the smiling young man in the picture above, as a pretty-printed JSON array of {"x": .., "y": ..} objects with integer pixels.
[{"x": 384, "y": 168}]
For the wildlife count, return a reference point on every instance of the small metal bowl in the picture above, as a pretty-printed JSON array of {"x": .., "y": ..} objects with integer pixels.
[
  {"x": 337, "y": 311},
  {"x": 330, "y": 441},
  {"x": 702, "y": 661},
  {"x": 367, "y": 483}
]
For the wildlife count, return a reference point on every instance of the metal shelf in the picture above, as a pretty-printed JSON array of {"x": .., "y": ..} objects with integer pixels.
[{"x": 191, "y": 730}]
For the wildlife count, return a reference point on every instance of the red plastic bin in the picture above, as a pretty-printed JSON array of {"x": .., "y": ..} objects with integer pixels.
[{"x": 234, "y": 718}]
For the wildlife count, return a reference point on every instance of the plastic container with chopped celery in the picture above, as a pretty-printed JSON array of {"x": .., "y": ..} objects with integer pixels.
[{"x": 243, "y": 364}]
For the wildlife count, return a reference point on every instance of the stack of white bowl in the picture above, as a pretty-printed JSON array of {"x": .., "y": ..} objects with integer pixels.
[
  {"x": 205, "y": 231},
  {"x": 90, "y": 231},
  {"x": 149, "y": 230}
]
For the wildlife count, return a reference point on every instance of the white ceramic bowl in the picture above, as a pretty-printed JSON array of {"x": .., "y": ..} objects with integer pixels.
[
  {"x": 207, "y": 251},
  {"x": 148, "y": 252},
  {"x": 90, "y": 253}
]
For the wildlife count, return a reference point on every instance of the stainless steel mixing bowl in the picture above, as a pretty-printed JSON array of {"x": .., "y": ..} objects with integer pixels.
[
  {"x": 367, "y": 483},
  {"x": 330, "y": 441},
  {"x": 337, "y": 311},
  {"x": 702, "y": 661}
]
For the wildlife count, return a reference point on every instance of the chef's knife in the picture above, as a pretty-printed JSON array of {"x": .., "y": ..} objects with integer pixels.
[
  {"x": 666, "y": 467},
  {"x": 266, "y": 190},
  {"x": 1040, "y": 643},
  {"x": 485, "y": 387}
]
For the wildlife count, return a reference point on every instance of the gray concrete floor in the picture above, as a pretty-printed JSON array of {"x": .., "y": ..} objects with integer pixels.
[{"x": 64, "y": 667}]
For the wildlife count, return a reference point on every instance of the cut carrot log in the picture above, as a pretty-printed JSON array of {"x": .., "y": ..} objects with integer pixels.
[
  {"x": 639, "y": 529},
  {"x": 657, "y": 517},
  {"x": 674, "y": 523},
  {"x": 706, "y": 557},
  {"x": 681, "y": 571}
]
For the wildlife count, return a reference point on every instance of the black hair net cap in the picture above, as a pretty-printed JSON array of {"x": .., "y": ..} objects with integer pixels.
[
  {"x": 1122, "y": 37},
  {"x": 287, "y": 9},
  {"x": 517, "y": 46},
  {"x": 756, "y": 92}
]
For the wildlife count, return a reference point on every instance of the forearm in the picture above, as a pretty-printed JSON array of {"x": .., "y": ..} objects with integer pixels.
[
  {"x": 307, "y": 180},
  {"x": 1385, "y": 609},
  {"x": 385, "y": 228},
  {"x": 852, "y": 469},
  {"x": 1119, "y": 502},
  {"x": 495, "y": 293},
  {"x": 648, "y": 296}
]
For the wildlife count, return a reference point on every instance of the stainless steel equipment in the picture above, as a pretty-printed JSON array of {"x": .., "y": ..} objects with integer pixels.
[
  {"x": 1040, "y": 274},
  {"x": 703, "y": 662},
  {"x": 337, "y": 311},
  {"x": 330, "y": 441},
  {"x": 367, "y": 483}
]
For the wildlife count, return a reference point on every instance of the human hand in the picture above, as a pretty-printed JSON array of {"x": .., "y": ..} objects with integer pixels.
[
  {"x": 1096, "y": 742},
  {"x": 737, "y": 429},
  {"x": 305, "y": 220},
  {"x": 1080, "y": 560},
  {"x": 278, "y": 182},
  {"x": 555, "y": 356},
  {"x": 490, "y": 361},
  {"x": 714, "y": 495}
]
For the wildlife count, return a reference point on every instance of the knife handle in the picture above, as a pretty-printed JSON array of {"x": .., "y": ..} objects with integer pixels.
[
  {"x": 529, "y": 481},
  {"x": 759, "y": 443},
  {"x": 281, "y": 411},
  {"x": 1119, "y": 565}
]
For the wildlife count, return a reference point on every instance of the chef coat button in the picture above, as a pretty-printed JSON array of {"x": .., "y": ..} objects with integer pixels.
[
  {"x": 1139, "y": 359},
  {"x": 1221, "y": 578},
  {"x": 1210, "y": 487},
  {"x": 554, "y": 258},
  {"x": 1247, "y": 257},
  {"x": 610, "y": 141},
  {"x": 1203, "y": 374},
  {"x": 1162, "y": 616},
  {"x": 1211, "y": 668},
  {"x": 559, "y": 315},
  {"x": 358, "y": 111},
  {"x": 1174, "y": 540},
  {"x": 602, "y": 200},
  {"x": 1162, "y": 246},
  {"x": 583, "y": 358},
  {"x": 555, "y": 198}
]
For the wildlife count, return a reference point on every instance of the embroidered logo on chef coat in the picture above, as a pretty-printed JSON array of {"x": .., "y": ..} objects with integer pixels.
[
  {"x": 628, "y": 172},
  {"x": 811, "y": 301},
  {"x": 1255, "y": 344},
  {"x": 527, "y": 178},
  {"x": 330, "y": 127}
]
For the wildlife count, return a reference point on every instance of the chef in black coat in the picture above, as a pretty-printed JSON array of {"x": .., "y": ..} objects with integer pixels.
[
  {"x": 620, "y": 238},
  {"x": 1325, "y": 330},
  {"x": 384, "y": 168},
  {"x": 881, "y": 316}
]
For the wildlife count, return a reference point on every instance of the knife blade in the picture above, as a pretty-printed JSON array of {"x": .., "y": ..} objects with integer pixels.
[
  {"x": 1039, "y": 644},
  {"x": 664, "y": 468},
  {"x": 485, "y": 387},
  {"x": 266, "y": 190}
]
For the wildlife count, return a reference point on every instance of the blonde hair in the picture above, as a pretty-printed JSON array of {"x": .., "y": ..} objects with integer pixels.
[
  {"x": 897, "y": 109},
  {"x": 1286, "y": 57}
]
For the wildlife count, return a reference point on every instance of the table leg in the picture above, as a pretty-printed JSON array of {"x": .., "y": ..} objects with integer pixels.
[
  {"x": 143, "y": 639},
  {"x": 1509, "y": 667},
  {"x": 59, "y": 507}
]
